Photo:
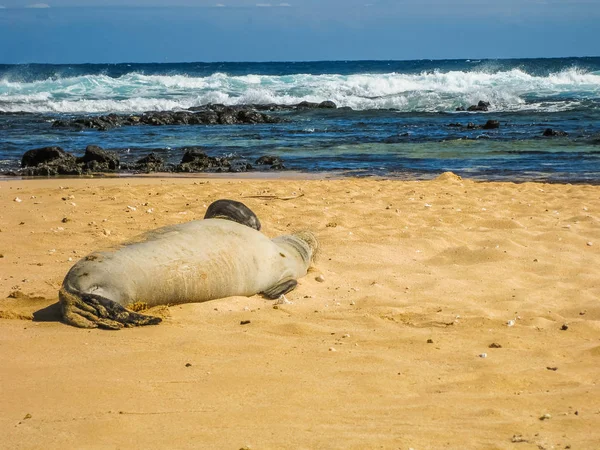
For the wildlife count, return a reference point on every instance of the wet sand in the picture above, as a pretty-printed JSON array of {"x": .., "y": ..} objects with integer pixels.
[{"x": 421, "y": 280}]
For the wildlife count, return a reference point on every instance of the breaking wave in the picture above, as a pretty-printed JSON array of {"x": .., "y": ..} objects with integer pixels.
[{"x": 429, "y": 91}]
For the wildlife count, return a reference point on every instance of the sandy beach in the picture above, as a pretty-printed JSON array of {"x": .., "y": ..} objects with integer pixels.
[{"x": 453, "y": 315}]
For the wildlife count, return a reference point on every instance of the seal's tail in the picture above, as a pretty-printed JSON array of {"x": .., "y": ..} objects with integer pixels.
[{"x": 94, "y": 311}]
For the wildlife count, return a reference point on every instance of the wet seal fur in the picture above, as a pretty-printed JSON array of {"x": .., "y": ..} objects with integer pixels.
[{"x": 221, "y": 256}]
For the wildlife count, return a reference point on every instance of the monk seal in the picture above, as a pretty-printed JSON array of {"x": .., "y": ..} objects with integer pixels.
[{"x": 220, "y": 256}]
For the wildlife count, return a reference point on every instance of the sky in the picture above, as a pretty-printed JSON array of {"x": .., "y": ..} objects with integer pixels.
[{"x": 79, "y": 31}]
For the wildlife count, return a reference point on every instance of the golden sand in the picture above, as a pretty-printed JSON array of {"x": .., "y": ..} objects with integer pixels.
[{"x": 451, "y": 314}]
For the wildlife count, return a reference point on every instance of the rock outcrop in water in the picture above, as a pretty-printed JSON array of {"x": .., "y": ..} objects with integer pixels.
[
  {"x": 549, "y": 132},
  {"x": 489, "y": 125},
  {"x": 209, "y": 115},
  {"x": 212, "y": 114},
  {"x": 480, "y": 106},
  {"x": 52, "y": 161},
  {"x": 49, "y": 161}
]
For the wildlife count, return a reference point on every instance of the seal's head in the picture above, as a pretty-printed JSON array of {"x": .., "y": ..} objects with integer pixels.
[{"x": 307, "y": 245}]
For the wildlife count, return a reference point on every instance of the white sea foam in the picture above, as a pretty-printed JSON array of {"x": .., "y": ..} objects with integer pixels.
[{"x": 426, "y": 92}]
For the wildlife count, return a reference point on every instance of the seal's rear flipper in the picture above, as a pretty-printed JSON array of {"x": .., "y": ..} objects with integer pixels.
[
  {"x": 283, "y": 287},
  {"x": 232, "y": 210},
  {"x": 94, "y": 311}
]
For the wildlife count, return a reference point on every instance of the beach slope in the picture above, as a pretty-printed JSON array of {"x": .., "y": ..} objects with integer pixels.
[{"x": 447, "y": 314}]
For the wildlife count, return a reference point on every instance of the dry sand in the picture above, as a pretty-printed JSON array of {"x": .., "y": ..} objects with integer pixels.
[{"x": 420, "y": 279}]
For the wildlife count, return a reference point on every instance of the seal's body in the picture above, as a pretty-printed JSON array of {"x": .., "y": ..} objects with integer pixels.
[{"x": 190, "y": 262}]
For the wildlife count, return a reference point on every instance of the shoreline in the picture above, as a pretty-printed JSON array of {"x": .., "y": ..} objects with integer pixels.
[{"x": 287, "y": 175}]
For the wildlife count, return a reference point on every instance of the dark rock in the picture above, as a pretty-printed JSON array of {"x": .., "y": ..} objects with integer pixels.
[
  {"x": 207, "y": 117},
  {"x": 328, "y": 104},
  {"x": 44, "y": 155},
  {"x": 549, "y": 132},
  {"x": 239, "y": 166},
  {"x": 471, "y": 126},
  {"x": 195, "y": 160},
  {"x": 150, "y": 163},
  {"x": 57, "y": 167},
  {"x": 217, "y": 107},
  {"x": 455, "y": 125},
  {"x": 481, "y": 106},
  {"x": 271, "y": 107},
  {"x": 228, "y": 116},
  {"x": 394, "y": 139},
  {"x": 307, "y": 105},
  {"x": 49, "y": 161},
  {"x": 98, "y": 160},
  {"x": 250, "y": 116},
  {"x": 192, "y": 153},
  {"x": 274, "y": 162},
  {"x": 460, "y": 108},
  {"x": 491, "y": 125}
]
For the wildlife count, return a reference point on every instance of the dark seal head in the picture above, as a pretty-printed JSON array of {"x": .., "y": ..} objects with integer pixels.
[{"x": 232, "y": 210}]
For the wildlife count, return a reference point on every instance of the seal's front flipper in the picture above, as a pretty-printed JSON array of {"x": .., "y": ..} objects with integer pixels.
[
  {"x": 94, "y": 311},
  {"x": 232, "y": 210},
  {"x": 283, "y": 287}
]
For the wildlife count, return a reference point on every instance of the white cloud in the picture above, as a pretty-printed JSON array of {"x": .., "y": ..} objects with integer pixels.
[
  {"x": 263, "y": 5},
  {"x": 220, "y": 5},
  {"x": 38, "y": 5},
  {"x": 284, "y": 4}
]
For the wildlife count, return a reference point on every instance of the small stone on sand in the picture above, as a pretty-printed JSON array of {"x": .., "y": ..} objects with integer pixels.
[{"x": 320, "y": 278}]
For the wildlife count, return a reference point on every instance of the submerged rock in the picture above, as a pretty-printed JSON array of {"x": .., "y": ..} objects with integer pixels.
[
  {"x": 491, "y": 125},
  {"x": 549, "y": 132}
]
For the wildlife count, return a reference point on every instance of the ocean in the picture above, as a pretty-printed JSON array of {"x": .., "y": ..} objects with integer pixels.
[{"x": 394, "y": 119}]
